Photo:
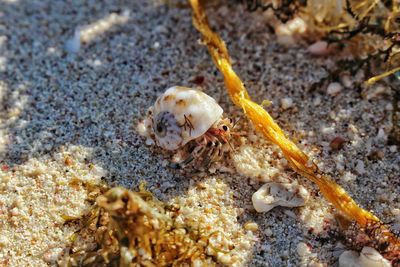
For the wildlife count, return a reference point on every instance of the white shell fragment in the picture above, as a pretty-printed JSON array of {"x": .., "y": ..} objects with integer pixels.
[
  {"x": 180, "y": 115},
  {"x": 271, "y": 195},
  {"x": 368, "y": 257}
]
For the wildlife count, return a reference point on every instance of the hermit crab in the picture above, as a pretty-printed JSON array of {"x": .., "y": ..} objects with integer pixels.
[{"x": 188, "y": 119}]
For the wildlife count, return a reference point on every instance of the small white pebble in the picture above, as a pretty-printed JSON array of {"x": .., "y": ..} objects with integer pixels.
[
  {"x": 328, "y": 130},
  {"x": 393, "y": 149},
  {"x": 346, "y": 80},
  {"x": 319, "y": 48},
  {"x": 156, "y": 45},
  {"x": 14, "y": 212},
  {"x": 286, "y": 102},
  {"x": 164, "y": 163},
  {"x": 360, "y": 167},
  {"x": 348, "y": 177},
  {"x": 302, "y": 249},
  {"x": 389, "y": 107},
  {"x": 381, "y": 136},
  {"x": 334, "y": 89},
  {"x": 317, "y": 101},
  {"x": 268, "y": 232}
]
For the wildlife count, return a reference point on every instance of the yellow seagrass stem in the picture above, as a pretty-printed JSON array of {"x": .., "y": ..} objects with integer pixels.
[
  {"x": 264, "y": 123},
  {"x": 381, "y": 76}
]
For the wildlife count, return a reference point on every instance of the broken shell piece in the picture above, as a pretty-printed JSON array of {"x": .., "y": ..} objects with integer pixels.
[
  {"x": 369, "y": 257},
  {"x": 271, "y": 195}
]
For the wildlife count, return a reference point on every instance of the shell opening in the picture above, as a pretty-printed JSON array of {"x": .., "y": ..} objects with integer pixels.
[{"x": 167, "y": 130}]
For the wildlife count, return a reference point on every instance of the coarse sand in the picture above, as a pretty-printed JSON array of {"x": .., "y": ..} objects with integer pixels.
[{"x": 69, "y": 111}]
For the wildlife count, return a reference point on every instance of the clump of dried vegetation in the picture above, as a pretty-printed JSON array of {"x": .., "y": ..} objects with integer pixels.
[
  {"x": 373, "y": 234},
  {"x": 135, "y": 229},
  {"x": 368, "y": 30}
]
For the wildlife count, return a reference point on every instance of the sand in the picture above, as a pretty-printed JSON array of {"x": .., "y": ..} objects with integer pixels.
[{"x": 70, "y": 113}]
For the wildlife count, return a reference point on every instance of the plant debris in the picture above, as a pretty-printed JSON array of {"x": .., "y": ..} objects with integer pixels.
[{"x": 135, "y": 229}]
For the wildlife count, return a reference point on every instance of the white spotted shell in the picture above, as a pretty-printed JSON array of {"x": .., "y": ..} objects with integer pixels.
[{"x": 182, "y": 114}]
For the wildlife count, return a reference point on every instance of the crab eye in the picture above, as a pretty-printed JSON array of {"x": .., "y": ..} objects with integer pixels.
[{"x": 225, "y": 128}]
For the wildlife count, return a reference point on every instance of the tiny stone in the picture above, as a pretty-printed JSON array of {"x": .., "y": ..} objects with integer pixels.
[
  {"x": 328, "y": 130},
  {"x": 320, "y": 48},
  {"x": 317, "y": 101},
  {"x": 156, "y": 45},
  {"x": 268, "y": 232},
  {"x": 251, "y": 226},
  {"x": 286, "y": 102},
  {"x": 389, "y": 107},
  {"x": 396, "y": 211},
  {"x": 199, "y": 80},
  {"x": 376, "y": 155},
  {"x": 337, "y": 143},
  {"x": 334, "y": 89},
  {"x": 360, "y": 167},
  {"x": 346, "y": 80},
  {"x": 302, "y": 249}
]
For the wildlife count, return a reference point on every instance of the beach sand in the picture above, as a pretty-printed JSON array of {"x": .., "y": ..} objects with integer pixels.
[{"x": 68, "y": 118}]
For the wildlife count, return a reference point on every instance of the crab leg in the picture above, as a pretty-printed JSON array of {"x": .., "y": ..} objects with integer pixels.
[{"x": 197, "y": 151}]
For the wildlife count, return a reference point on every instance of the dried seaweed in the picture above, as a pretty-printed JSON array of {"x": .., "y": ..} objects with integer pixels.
[
  {"x": 368, "y": 29},
  {"x": 373, "y": 235},
  {"x": 134, "y": 229},
  {"x": 284, "y": 10}
]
